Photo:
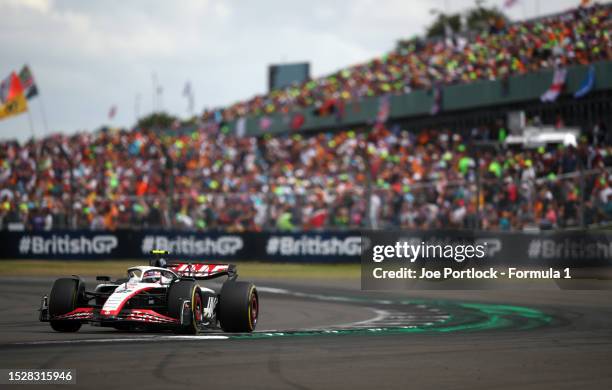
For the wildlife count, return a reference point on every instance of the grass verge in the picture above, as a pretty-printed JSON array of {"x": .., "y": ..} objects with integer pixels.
[{"x": 117, "y": 269}]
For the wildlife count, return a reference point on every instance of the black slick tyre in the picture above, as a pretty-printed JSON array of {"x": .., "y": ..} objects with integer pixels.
[
  {"x": 238, "y": 308},
  {"x": 178, "y": 293},
  {"x": 65, "y": 296}
]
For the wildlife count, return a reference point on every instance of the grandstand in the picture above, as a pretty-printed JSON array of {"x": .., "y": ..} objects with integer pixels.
[
  {"x": 580, "y": 36},
  {"x": 413, "y": 139}
]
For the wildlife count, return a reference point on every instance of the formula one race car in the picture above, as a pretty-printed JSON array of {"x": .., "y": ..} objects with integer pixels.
[{"x": 163, "y": 295}]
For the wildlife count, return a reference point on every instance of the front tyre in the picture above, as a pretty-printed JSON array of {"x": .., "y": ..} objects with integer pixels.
[
  {"x": 238, "y": 308},
  {"x": 64, "y": 298},
  {"x": 178, "y": 293}
]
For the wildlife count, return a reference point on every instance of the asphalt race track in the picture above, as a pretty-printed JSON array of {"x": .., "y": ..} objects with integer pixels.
[{"x": 313, "y": 335}]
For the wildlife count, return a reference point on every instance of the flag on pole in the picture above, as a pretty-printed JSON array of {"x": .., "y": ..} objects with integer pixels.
[
  {"x": 384, "y": 108},
  {"x": 448, "y": 30},
  {"x": 241, "y": 127},
  {"x": 112, "y": 112},
  {"x": 27, "y": 81},
  {"x": 188, "y": 93},
  {"x": 587, "y": 84},
  {"x": 557, "y": 86},
  {"x": 5, "y": 86},
  {"x": 12, "y": 97},
  {"x": 436, "y": 105},
  {"x": 297, "y": 121},
  {"x": 265, "y": 123},
  {"x": 187, "y": 89}
]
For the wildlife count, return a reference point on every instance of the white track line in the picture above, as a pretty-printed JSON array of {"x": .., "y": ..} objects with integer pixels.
[{"x": 380, "y": 314}]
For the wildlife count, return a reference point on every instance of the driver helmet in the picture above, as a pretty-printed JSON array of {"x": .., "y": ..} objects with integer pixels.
[
  {"x": 161, "y": 263},
  {"x": 151, "y": 276},
  {"x": 155, "y": 276}
]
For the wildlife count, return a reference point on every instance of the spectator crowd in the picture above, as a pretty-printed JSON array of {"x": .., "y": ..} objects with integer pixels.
[
  {"x": 356, "y": 178},
  {"x": 578, "y": 36}
]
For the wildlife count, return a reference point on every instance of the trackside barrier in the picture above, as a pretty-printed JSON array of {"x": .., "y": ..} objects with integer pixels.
[{"x": 317, "y": 247}]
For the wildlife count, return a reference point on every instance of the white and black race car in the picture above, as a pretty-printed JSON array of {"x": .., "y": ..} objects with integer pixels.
[{"x": 162, "y": 295}]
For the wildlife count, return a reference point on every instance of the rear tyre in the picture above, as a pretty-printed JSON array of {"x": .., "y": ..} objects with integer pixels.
[
  {"x": 178, "y": 293},
  {"x": 238, "y": 308},
  {"x": 65, "y": 296}
]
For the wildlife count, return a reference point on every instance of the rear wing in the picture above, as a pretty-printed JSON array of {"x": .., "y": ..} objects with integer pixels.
[
  {"x": 197, "y": 270},
  {"x": 203, "y": 271}
]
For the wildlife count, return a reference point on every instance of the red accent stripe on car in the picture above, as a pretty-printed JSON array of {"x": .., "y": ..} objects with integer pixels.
[
  {"x": 116, "y": 311},
  {"x": 81, "y": 313},
  {"x": 146, "y": 315}
]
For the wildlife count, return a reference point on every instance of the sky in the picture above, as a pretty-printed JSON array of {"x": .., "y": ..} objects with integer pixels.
[{"x": 88, "y": 56}]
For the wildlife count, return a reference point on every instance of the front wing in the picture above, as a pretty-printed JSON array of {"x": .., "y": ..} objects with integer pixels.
[{"x": 132, "y": 316}]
